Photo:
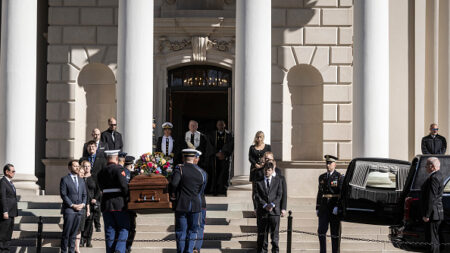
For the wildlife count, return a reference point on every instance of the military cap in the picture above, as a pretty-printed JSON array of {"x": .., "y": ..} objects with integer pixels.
[
  {"x": 129, "y": 160},
  {"x": 330, "y": 158},
  {"x": 167, "y": 125},
  {"x": 122, "y": 154},
  {"x": 112, "y": 152},
  {"x": 189, "y": 152}
]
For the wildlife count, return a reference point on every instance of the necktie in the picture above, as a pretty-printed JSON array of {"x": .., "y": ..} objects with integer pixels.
[
  {"x": 167, "y": 146},
  {"x": 192, "y": 139},
  {"x": 112, "y": 135},
  {"x": 76, "y": 182},
  {"x": 14, "y": 188},
  {"x": 92, "y": 160},
  {"x": 268, "y": 183}
]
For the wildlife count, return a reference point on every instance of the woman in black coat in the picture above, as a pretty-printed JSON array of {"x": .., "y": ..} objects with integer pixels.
[{"x": 255, "y": 154}]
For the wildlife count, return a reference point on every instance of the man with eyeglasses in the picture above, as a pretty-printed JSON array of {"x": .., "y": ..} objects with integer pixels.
[
  {"x": 8, "y": 203},
  {"x": 101, "y": 146},
  {"x": 111, "y": 137},
  {"x": 434, "y": 143}
]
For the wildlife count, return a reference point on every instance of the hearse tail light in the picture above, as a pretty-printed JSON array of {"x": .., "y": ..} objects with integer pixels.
[{"x": 408, "y": 202}]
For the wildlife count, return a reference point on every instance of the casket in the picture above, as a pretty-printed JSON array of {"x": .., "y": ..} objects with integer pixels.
[{"x": 149, "y": 194}]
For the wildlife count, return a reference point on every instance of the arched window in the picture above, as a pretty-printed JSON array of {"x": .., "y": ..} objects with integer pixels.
[{"x": 200, "y": 76}]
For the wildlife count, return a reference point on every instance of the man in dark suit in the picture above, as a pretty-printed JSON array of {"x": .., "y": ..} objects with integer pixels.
[
  {"x": 74, "y": 196},
  {"x": 268, "y": 192},
  {"x": 8, "y": 202},
  {"x": 269, "y": 158},
  {"x": 101, "y": 146},
  {"x": 187, "y": 183},
  {"x": 219, "y": 167},
  {"x": 111, "y": 137},
  {"x": 434, "y": 143},
  {"x": 98, "y": 162},
  {"x": 431, "y": 203},
  {"x": 112, "y": 181}
]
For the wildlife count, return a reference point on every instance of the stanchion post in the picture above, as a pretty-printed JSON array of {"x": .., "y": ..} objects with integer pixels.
[
  {"x": 289, "y": 233},
  {"x": 39, "y": 236}
]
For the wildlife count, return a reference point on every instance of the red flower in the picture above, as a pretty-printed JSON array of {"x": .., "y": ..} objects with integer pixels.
[
  {"x": 156, "y": 171},
  {"x": 149, "y": 165}
]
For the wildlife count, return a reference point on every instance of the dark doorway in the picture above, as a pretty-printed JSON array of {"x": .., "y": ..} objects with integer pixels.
[
  {"x": 205, "y": 107},
  {"x": 201, "y": 93}
]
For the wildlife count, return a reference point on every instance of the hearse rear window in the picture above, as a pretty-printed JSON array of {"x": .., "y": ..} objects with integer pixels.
[
  {"x": 381, "y": 179},
  {"x": 379, "y": 175}
]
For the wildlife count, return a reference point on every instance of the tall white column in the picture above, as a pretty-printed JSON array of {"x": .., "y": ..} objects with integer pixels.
[
  {"x": 252, "y": 78},
  {"x": 135, "y": 75},
  {"x": 18, "y": 91},
  {"x": 371, "y": 78}
]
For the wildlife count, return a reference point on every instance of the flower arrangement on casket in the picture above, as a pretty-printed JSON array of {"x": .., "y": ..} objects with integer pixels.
[
  {"x": 156, "y": 163},
  {"x": 149, "y": 190}
]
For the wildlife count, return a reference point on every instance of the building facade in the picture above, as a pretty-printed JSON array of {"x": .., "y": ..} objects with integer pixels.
[{"x": 341, "y": 77}]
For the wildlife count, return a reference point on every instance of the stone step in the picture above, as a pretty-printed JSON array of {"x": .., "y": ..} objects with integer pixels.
[
  {"x": 26, "y": 229},
  {"x": 251, "y": 228},
  {"x": 173, "y": 250},
  {"x": 214, "y": 244}
]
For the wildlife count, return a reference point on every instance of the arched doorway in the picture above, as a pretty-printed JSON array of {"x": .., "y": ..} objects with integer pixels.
[{"x": 201, "y": 93}]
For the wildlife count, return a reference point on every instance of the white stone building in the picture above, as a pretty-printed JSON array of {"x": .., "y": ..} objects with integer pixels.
[{"x": 342, "y": 77}]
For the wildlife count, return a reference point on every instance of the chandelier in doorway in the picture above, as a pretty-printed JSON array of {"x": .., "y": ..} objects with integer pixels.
[{"x": 200, "y": 76}]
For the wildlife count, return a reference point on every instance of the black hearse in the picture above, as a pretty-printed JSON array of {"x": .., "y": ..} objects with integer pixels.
[{"x": 386, "y": 192}]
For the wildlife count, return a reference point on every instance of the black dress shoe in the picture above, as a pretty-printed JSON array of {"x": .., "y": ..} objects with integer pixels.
[
  {"x": 98, "y": 230},
  {"x": 88, "y": 243}
]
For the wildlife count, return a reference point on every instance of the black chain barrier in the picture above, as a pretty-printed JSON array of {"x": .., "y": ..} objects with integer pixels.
[{"x": 289, "y": 232}]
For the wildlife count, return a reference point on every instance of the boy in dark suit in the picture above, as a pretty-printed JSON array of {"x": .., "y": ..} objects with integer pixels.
[
  {"x": 431, "y": 202},
  {"x": 8, "y": 202},
  {"x": 268, "y": 192},
  {"x": 74, "y": 196}
]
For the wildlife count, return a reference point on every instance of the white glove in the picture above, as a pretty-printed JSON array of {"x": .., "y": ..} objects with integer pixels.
[{"x": 335, "y": 210}]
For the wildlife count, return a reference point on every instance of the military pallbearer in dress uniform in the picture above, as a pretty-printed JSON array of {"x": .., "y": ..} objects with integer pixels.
[
  {"x": 188, "y": 183},
  {"x": 327, "y": 205},
  {"x": 112, "y": 181}
]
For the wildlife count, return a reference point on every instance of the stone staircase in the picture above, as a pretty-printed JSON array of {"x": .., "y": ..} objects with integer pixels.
[{"x": 227, "y": 217}]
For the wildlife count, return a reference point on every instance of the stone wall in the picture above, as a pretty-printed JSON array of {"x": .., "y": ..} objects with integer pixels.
[
  {"x": 316, "y": 34},
  {"x": 80, "y": 32}
]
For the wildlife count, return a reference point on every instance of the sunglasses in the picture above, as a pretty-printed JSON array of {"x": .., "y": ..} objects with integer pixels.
[
  {"x": 435, "y": 129},
  {"x": 113, "y": 124}
]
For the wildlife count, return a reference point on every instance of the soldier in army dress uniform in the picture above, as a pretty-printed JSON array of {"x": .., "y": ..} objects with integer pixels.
[{"x": 328, "y": 198}]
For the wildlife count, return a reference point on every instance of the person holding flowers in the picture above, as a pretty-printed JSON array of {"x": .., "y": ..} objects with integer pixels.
[{"x": 166, "y": 144}]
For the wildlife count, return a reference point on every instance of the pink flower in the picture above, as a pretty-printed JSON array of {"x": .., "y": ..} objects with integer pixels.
[{"x": 149, "y": 165}]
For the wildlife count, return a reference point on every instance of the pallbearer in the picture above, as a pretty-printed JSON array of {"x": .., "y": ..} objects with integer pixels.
[
  {"x": 327, "y": 205},
  {"x": 130, "y": 173},
  {"x": 113, "y": 183},
  {"x": 200, "y": 234},
  {"x": 187, "y": 183}
]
